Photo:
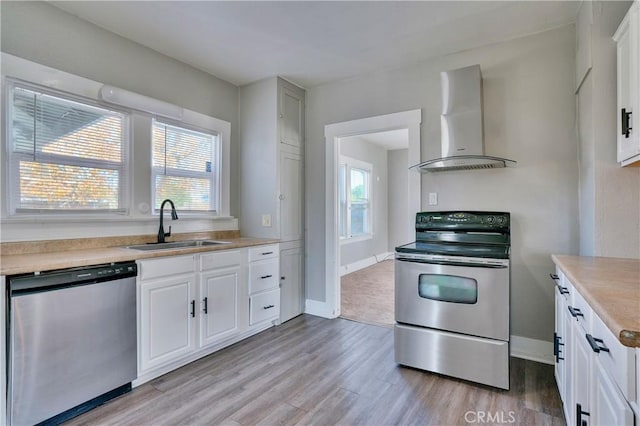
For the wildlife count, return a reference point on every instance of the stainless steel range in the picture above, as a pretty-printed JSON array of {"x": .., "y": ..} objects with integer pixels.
[{"x": 452, "y": 296}]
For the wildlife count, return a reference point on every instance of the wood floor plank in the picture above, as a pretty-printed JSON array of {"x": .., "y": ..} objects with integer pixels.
[{"x": 312, "y": 370}]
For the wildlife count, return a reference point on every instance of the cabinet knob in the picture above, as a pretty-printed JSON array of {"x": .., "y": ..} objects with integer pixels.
[{"x": 281, "y": 197}]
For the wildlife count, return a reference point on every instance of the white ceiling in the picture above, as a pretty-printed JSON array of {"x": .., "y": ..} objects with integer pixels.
[{"x": 314, "y": 42}]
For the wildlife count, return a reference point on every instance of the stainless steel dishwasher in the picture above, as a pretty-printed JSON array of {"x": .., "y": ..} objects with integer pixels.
[{"x": 71, "y": 341}]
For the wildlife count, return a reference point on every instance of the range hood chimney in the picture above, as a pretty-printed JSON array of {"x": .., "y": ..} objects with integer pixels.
[{"x": 462, "y": 125}]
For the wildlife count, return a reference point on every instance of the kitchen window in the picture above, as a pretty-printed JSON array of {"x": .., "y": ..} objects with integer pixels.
[
  {"x": 66, "y": 153},
  {"x": 354, "y": 188},
  {"x": 185, "y": 167}
]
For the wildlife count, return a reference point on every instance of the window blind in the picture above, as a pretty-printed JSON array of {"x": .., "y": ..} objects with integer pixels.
[
  {"x": 66, "y": 155},
  {"x": 185, "y": 167}
]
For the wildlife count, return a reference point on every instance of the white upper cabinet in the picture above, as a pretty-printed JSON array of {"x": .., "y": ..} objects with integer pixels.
[
  {"x": 627, "y": 38},
  {"x": 290, "y": 114}
]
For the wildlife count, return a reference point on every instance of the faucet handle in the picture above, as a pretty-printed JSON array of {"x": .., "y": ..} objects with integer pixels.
[{"x": 168, "y": 234}]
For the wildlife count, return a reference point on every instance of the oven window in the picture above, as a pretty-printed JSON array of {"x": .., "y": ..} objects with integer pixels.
[{"x": 448, "y": 288}]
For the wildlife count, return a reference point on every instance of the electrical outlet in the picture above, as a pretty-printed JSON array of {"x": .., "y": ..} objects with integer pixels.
[
  {"x": 433, "y": 198},
  {"x": 266, "y": 220}
]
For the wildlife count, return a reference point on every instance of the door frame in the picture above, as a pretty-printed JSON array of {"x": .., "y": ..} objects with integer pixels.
[{"x": 409, "y": 120}]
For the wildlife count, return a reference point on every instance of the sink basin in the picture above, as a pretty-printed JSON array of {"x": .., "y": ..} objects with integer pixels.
[{"x": 177, "y": 245}]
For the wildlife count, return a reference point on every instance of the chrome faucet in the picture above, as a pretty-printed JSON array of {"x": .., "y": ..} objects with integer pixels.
[{"x": 174, "y": 216}]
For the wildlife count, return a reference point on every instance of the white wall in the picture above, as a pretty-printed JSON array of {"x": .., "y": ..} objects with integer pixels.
[
  {"x": 398, "y": 200},
  {"x": 609, "y": 194},
  {"x": 375, "y": 155},
  {"x": 529, "y": 105},
  {"x": 44, "y": 34}
]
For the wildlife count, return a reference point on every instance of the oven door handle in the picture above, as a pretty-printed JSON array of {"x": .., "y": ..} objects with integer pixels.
[{"x": 447, "y": 262}]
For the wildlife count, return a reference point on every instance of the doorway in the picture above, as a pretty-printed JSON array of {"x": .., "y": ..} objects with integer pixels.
[
  {"x": 409, "y": 122},
  {"x": 372, "y": 197}
]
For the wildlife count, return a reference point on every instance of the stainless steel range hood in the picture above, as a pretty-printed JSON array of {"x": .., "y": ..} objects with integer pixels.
[{"x": 461, "y": 125}]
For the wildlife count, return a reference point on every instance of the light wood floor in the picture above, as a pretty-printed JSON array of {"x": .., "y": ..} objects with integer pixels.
[
  {"x": 312, "y": 370},
  {"x": 367, "y": 295}
]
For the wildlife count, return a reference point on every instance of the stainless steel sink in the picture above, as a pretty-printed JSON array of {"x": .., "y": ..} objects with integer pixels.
[{"x": 177, "y": 245}]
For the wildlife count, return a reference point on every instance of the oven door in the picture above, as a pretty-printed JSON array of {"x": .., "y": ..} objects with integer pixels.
[{"x": 471, "y": 299}]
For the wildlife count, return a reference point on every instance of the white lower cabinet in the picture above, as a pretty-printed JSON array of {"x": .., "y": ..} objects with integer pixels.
[
  {"x": 264, "y": 284},
  {"x": 191, "y": 306},
  {"x": 596, "y": 374},
  {"x": 609, "y": 405},
  {"x": 3, "y": 352},
  {"x": 291, "y": 280},
  {"x": 219, "y": 305},
  {"x": 166, "y": 309}
]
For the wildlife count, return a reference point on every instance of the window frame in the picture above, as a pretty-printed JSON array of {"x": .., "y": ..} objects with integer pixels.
[
  {"x": 13, "y": 158},
  {"x": 138, "y": 191},
  {"x": 349, "y": 164},
  {"x": 215, "y": 179}
]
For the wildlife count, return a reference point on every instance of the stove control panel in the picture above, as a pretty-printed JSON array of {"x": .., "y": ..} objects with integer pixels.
[{"x": 462, "y": 220}]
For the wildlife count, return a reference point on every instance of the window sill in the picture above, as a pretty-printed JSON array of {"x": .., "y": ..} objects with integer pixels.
[{"x": 359, "y": 238}]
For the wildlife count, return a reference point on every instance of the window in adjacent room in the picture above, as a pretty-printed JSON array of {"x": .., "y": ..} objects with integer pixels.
[
  {"x": 185, "y": 167},
  {"x": 66, "y": 153},
  {"x": 354, "y": 189}
]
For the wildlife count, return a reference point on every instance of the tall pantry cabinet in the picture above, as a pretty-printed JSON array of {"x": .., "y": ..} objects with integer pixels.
[{"x": 272, "y": 178}]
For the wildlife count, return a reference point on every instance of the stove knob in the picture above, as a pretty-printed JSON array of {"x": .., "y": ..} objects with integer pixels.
[
  {"x": 490, "y": 219},
  {"x": 501, "y": 220}
]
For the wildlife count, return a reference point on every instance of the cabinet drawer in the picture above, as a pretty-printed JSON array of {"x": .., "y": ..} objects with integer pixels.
[
  {"x": 580, "y": 310},
  {"x": 165, "y": 266},
  {"x": 263, "y": 252},
  {"x": 619, "y": 361},
  {"x": 263, "y": 276},
  {"x": 220, "y": 259},
  {"x": 264, "y": 306}
]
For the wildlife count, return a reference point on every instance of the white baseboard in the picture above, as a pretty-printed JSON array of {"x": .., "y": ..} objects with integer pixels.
[
  {"x": 320, "y": 309},
  {"x": 364, "y": 263},
  {"x": 532, "y": 349}
]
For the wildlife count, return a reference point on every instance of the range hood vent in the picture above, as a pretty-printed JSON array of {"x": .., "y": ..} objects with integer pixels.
[{"x": 462, "y": 125}]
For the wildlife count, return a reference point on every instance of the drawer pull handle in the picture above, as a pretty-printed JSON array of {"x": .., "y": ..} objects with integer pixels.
[
  {"x": 596, "y": 344},
  {"x": 562, "y": 290},
  {"x": 579, "y": 413},
  {"x": 206, "y": 307},
  {"x": 268, "y": 307},
  {"x": 626, "y": 119},
  {"x": 556, "y": 347},
  {"x": 264, "y": 277},
  {"x": 575, "y": 312},
  {"x": 267, "y": 253}
]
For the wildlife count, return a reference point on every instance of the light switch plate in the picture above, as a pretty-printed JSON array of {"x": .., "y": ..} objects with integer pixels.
[
  {"x": 266, "y": 220},
  {"x": 433, "y": 198}
]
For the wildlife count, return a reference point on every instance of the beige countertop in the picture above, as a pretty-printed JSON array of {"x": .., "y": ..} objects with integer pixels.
[
  {"x": 611, "y": 286},
  {"x": 18, "y": 258}
]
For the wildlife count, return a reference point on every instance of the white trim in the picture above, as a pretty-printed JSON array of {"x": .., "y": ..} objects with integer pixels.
[
  {"x": 364, "y": 263},
  {"x": 532, "y": 349},
  {"x": 320, "y": 309},
  {"x": 333, "y": 132}
]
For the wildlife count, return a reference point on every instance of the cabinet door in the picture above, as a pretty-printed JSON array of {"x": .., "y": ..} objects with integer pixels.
[
  {"x": 166, "y": 320},
  {"x": 559, "y": 345},
  {"x": 568, "y": 400},
  {"x": 581, "y": 365},
  {"x": 291, "y": 115},
  {"x": 628, "y": 38},
  {"x": 291, "y": 280},
  {"x": 219, "y": 305},
  {"x": 291, "y": 197},
  {"x": 608, "y": 405}
]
